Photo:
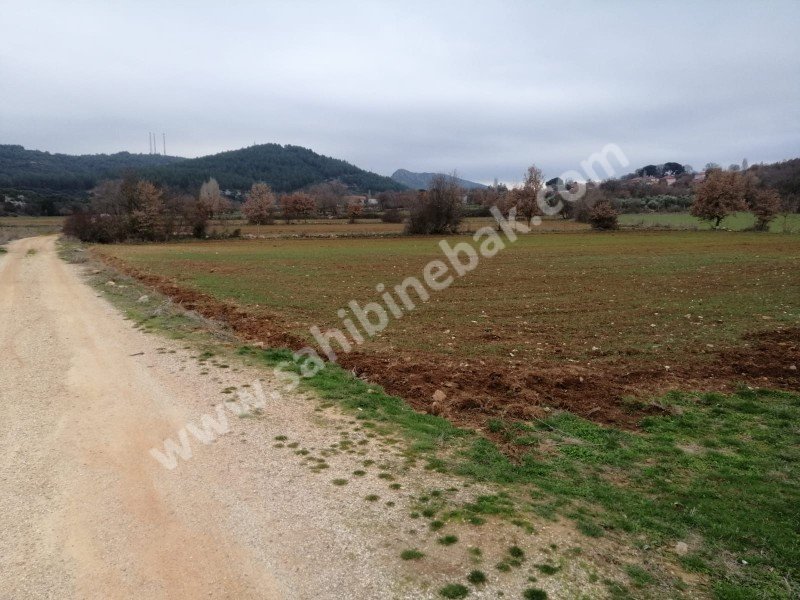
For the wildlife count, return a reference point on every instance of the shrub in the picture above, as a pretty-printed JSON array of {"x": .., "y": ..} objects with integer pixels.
[
  {"x": 199, "y": 228},
  {"x": 603, "y": 216},
  {"x": 627, "y": 205},
  {"x": 392, "y": 215},
  {"x": 96, "y": 229},
  {"x": 476, "y": 577},
  {"x": 438, "y": 210},
  {"x": 454, "y": 590},
  {"x": 582, "y": 206}
]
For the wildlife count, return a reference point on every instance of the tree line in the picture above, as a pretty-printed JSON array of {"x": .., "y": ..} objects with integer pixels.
[
  {"x": 65, "y": 180},
  {"x": 140, "y": 209},
  {"x": 131, "y": 208}
]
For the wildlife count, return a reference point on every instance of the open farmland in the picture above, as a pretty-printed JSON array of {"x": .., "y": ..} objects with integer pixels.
[
  {"x": 553, "y": 321},
  {"x": 786, "y": 223},
  {"x": 558, "y": 352},
  {"x": 362, "y": 227}
]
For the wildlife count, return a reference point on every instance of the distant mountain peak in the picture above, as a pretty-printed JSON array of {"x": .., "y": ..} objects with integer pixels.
[{"x": 421, "y": 181}]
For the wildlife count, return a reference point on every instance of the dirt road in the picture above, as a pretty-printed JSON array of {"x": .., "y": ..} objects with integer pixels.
[{"x": 85, "y": 510}]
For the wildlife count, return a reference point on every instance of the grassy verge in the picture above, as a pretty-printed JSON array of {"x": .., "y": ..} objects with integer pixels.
[
  {"x": 712, "y": 483},
  {"x": 714, "y": 480}
]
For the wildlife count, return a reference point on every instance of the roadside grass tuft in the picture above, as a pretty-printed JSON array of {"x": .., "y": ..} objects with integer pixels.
[
  {"x": 412, "y": 554},
  {"x": 639, "y": 576},
  {"x": 534, "y": 594},
  {"x": 546, "y": 569},
  {"x": 448, "y": 540},
  {"x": 454, "y": 590},
  {"x": 476, "y": 577},
  {"x": 617, "y": 591}
]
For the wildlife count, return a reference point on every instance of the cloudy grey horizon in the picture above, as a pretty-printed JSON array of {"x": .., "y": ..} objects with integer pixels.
[{"x": 480, "y": 88}]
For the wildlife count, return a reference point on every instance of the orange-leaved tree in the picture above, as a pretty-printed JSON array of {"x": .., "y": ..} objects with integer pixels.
[
  {"x": 722, "y": 193},
  {"x": 766, "y": 206}
]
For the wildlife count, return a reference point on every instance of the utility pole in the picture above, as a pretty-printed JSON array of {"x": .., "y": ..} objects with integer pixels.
[{"x": 164, "y": 139}]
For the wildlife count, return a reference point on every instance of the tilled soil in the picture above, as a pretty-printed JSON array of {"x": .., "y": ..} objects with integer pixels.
[{"x": 473, "y": 391}]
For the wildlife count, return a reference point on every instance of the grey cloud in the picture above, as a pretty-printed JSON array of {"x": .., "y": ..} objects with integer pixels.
[{"x": 483, "y": 88}]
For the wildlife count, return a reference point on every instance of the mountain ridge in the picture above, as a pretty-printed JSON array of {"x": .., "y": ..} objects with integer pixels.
[
  {"x": 286, "y": 168},
  {"x": 421, "y": 181}
]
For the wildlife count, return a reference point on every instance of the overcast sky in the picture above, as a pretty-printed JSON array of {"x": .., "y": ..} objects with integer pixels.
[{"x": 484, "y": 88}]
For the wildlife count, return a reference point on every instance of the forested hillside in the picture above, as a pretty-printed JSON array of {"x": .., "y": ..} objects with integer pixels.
[
  {"x": 36, "y": 170},
  {"x": 284, "y": 168}
]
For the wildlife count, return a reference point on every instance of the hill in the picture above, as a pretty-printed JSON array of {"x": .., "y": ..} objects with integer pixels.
[
  {"x": 285, "y": 168},
  {"x": 24, "y": 169},
  {"x": 421, "y": 181}
]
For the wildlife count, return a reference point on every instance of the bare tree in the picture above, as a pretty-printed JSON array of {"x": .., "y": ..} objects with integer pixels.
[
  {"x": 259, "y": 207},
  {"x": 212, "y": 199},
  {"x": 147, "y": 221},
  {"x": 437, "y": 210},
  {"x": 527, "y": 197},
  {"x": 107, "y": 198},
  {"x": 297, "y": 206},
  {"x": 328, "y": 196}
]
